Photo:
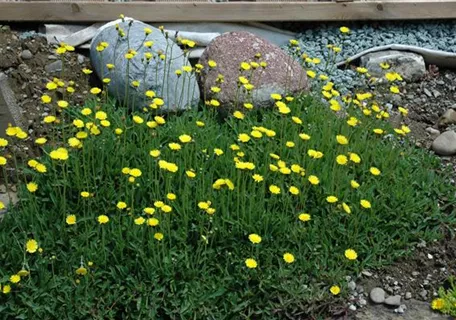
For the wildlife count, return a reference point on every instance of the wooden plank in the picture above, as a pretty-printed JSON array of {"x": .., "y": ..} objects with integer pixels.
[{"x": 238, "y": 11}]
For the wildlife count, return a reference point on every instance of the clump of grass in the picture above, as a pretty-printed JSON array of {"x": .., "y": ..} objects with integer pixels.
[{"x": 259, "y": 215}]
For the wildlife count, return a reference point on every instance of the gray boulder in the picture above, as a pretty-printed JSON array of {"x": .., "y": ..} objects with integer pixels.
[
  {"x": 409, "y": 65},
  {"x": 178, "y": 92}
]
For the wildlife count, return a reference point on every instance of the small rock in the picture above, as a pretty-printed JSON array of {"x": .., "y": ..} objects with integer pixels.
[
  {"x": 54, "y": 67},
  {"x": 408, "y": 295},
  {"x": 52, "y": 57},
  {"x": 352, "y": 285},
  {"x": 81, "y": 59},
  {"x": 393, "y": 300},
  {"x": 377, "y": 295},
  {"x": 423, "y": 294},
  {"x": 352, "y": 307},
  {"x": 415, "y": 273},
  {"x": 26, "y": 55},
  {"x": 409, "y": 65},
  {"x": 445, "y": 144},
  {"x": 449, "y": 117},
  {"x": 433, "y": 133},
  {"x": 359, "y": 288},
  {"x": 436, "y": 93},
  {"x": 366, "y": 273},
  {"x": 401, "y": 309},
  {"x": 430, "y": 256},
  {"x": 362, "y": 302},
  {"x": 2, "y": 188},
  {"x": 427, "y": 92}
]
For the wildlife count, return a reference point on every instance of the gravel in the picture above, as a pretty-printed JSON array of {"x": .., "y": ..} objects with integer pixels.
[{"x": 431, "y": 35}]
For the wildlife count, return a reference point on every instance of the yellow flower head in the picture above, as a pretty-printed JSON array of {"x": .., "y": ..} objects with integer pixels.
[
  {"x": 70, "y": 219},
  {"x": 288, "y": 257},
  {"x": 103, "y": 219},
  {"x": 351, "y": 254},
  {"x": 251, "y": 263},
  {"x": 274, "y": 189},
  {"x": 31, "y": 246},
  {"x": 254, "y": 238},
  {"x": 332, "y": 199},
  {"x": 335, "y": 290}
]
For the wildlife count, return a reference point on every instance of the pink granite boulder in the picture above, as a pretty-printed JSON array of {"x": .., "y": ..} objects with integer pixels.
[{"x": 282, "y": 74}]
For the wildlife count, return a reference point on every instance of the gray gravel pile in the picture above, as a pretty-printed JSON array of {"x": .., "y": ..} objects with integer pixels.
[{"x": 431, "y": 35}]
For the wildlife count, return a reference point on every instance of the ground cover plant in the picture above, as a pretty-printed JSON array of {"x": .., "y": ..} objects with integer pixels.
[{"x": 260, "y": 215}]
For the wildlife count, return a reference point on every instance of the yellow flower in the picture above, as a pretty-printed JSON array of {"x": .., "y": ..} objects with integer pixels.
[
  {"x": 31, "y": 246},
  {"x": 218, "y": 152},
  {"x": 375, "y": 171},
  {"x": 296, "y": 120},
  {"x": 81, "y": 271},
  {"x": 314, "y": 180},
  {"x": 23, "y": 272},
  {"x": 276, "y": 96},
  {"x": 341, "y": 139},
  {"x": 174, "y": 146},
  {"x": 32, "y": 186},
  {"x": 341, "y": 159},
  {"x": 4, "y": 142},
  {"x": 85, "y": 194},
  {"x": 288, "y": 257},
  {"x": 153, "y": 222},
  {"x": 165, "y": 208},
  {"x": 243, "y": 137},
  {"x": 257, "y": 178},
  {"x": 2, "y": 161},
  {"x": 121, "y": 205},
  {"x": 86, "y": 111},
  {"x": 135, "y": 172},
  {"x": 254, "y": 238},
  {"x": 394, "y": 89},
  {"x": 238, "y": 115},
  {"x": 355, "y": 158},
  {"x": 154, "y": 153},
  {"x": 378, "y": 131},
  {"x": 245, "y": 66},
  {"x": 344, "y": 30},
  {"x": 103, "y": 219},
  {"x": 314, "y": 154},
  {"x": 49, "y": 119},
  {"x": 212, "y": 63},
  {"x": 200, "y": 123},
  {"x": 59, "y": 154},
  {"x": 70, "y": 219},
  {"x": 190, "y": 173},
  {"x": 15, "y": 278},
  {"x": 158, "y": 236},
  {"x": 351, "y": 254},
  {"x": 159, "y": 204},
  {"x": 138, "y": 119},
  {"x": 361, "y": 70},
  {"x": 171, "y": 196},
  {"x": 332, "y": 199},
  {"x": 95, "y": 90},
  {"x": 51, "y": 86},
  {"x": 311, "y": 74},
  {"x": 293, "y": 190},
  {"x": 335, "y": 290},
  {"x": 304, "y": 136},
  {"x": 62, "y": 104},
  {"x": 139, "y": 221},
  {"x": 304, "y": 217},
  {"x": 384, "y": 65},
  {"x": 346, "y": 208},
  {"x": 354, "y": 184},
  {"x": 6, "y": 289},
  {"x": 438, "y": 304},
  {"x": 101, "y": 115},
  {"x": 185, "y": 138},
  {"x": 403, "y": 111},
  {"x": 251, "y": 263},
  {"x": 274, "y": 189},
  {"x": 290, "y": 144},
  {"x": 365, "y": 204}
]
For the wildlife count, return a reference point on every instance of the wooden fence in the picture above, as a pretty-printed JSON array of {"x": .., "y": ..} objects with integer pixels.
[{"x": 233, "y": 10}]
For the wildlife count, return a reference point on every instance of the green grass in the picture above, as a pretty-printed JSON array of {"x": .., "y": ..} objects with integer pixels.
[{"x": 197, "y": 271}]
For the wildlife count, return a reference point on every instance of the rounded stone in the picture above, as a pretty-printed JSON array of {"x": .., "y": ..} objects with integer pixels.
[
  {"x": 282, "y": 74},
  {"x": 377, "y": 295},
  {"x": 445, "y": 144}
]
